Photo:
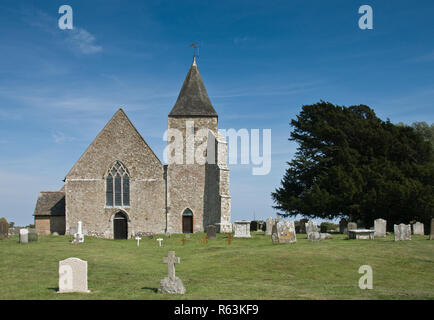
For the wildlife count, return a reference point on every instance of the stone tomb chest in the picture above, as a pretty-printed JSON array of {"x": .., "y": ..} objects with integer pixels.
[{"x": 242, "y": 229}]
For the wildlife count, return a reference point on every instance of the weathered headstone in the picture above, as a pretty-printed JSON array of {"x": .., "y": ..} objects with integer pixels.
[
  {"x": 418, "y": 228},
  {"x": 269, "y": 226},
  {"x": 4, "y": 229},
  {"x": 380, "y": 228},
  {"x": 314, "y": 236},
  {"x": 24, "y": 236},
  {"x": 343, "y": 226},
  {"x": 73, "y": 275},
  {"x": 242, "y": 229},
  {"x": 261, "y": 225},
  {"x": 431, "y": 234},
  {"x": 285, "y": 231},
  {"x": 402, "y": 232},
  {"x": 211, "y": 232},
  {"x": 352, "y": 226},
  {"x": 311, "y": 227},
  {"x": 33, "y": 235},
  {"x": 171, "y": 284}
]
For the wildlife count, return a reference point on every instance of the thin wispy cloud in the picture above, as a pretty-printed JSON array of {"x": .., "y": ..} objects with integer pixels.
[
  {"x": 60, "y": 137},
  {"x": 78, "y": 39},
  {"x": 83, "y": 40}
]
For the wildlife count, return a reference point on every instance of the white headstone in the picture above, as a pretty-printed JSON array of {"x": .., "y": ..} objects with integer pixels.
[
  {"x": 380, "y": 227},
  {"x": 269, "y": 226},
  {"x": 24, "y": 236},
  {"x": 73, "y": 275},
  {"x": 418, "y": 228}
]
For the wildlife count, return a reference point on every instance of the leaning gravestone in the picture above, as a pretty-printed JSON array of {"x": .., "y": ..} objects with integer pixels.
[
  {"x": 242, "y": 229},
  {"x": 418, "y": 228},
  {"x": 380, "y": 228},
  {"x": 269, "y": 226},
  {"x": 73, "y": 275},
  {"x": 402, "y": 232},
  {"x": 285, "y": 231},
  {"x": 211, "y": 232},
  {"x": 4, "y": 229},
  {"x": 171, "y": 284},
  {"x": 343, "y": 226},
  {"x": 24, "y": 236},
  {"x": 431, "y": 234}
]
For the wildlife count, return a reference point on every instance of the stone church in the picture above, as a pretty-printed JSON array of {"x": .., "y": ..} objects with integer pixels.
[{"x": 119, "y": 188}]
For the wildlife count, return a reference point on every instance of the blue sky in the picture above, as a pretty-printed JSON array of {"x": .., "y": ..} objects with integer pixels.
[{"x": 260, "y": 61}]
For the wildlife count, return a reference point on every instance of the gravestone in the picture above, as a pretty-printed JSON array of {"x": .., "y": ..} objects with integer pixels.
[
  {"x": 242, "y": 229},
  {"x": 402, "y": 232},
  {"x": 33, "y": 235},
  {"x": 269, "y": 226},
  {"x": 261, "y": 225},
  {"x": 254, "y": 225},
  {"x": 311, "y": 227},
  {"x": 314, "y": 236},
  {"x": 380, "y": 227},
  {"x": 431, "y": 234},
  {"x": 4, "y": 229},
  {"x": 343, "y": 226},
  {"x": 285, "y": 231},
  {"x": 361, "y": 234},
  {"x": 302, "y": 226},
  {"x": 352, "y": 226},
  {"x": 24, "y": 236},
  {"x": 79, "y": 236},
  {"x": 418, "y": 228},
  {"x": 171, "y": 284},
  {"x": 274, "y": 236},
  {"x": 211, "y": 232},
  {"x": 73, "y": 275}
]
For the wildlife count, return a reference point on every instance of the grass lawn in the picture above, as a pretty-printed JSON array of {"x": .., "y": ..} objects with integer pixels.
[{"x": 247, "y": 269}]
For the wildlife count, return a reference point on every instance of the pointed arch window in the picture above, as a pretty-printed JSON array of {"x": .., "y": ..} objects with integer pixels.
[{"x": 118, "y": 186}]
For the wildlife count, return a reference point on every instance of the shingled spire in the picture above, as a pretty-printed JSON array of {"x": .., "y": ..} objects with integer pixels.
[{"x": 193, "y": 99}]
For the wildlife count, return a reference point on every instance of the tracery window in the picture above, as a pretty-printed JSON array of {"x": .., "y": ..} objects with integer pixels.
[{"x": 118, "y": 186}]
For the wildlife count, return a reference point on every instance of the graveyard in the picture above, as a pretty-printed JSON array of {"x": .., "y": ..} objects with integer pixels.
[{"x": 242, "y": 268}]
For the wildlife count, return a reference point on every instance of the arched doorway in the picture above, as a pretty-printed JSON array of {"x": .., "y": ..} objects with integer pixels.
[
  {"x": 187, "y": 221},
  {"x": 120, "y": 226}
]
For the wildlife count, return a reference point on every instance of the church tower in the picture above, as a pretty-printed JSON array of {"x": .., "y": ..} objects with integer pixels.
[{"x": 197, "y": 175}]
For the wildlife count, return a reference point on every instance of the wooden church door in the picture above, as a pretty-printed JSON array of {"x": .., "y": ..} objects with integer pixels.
[{"x": 120, "y": 226}]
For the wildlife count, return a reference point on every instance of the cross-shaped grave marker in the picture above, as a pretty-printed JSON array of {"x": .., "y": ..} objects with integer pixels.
[
  {"x": 229, "y": 239},
  {"x": 183, "y": 241},
  {"x": 138, "y": 240},
  {"x": 171, "y": 260},
  {"x": 159, "y": 241}
]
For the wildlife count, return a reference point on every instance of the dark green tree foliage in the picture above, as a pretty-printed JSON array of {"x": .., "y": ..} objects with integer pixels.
[{"x": 351, "y": 163}]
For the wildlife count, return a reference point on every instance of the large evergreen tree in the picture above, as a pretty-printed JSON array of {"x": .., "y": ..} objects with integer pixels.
[{"x": 351, "y": 163}]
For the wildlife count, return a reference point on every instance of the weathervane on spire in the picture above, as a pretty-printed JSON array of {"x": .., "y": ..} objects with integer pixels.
[{"x": 195, "y": 47}]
